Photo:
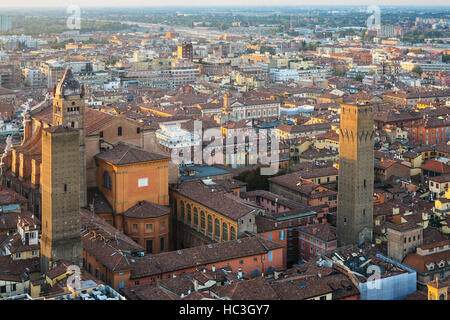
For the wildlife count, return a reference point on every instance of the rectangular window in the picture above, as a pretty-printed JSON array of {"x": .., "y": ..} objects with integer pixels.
[
  {"x": 162, "y": 244},
  {"x": 135, "y": 226},
  {"x": 143, "y": 182},
  {"x": 270, "y": 256},
  {"x": 149, "y": 245},
  {"x": 149, "y": 227}
]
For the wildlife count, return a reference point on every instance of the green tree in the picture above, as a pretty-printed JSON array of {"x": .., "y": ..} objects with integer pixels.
[
  {"x": 359, "y": 77},
  {"x": 417, "y": 70}
]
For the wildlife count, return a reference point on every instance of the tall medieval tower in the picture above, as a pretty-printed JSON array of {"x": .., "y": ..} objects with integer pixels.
[
  {"x": 60, "y": 187},
  {"x": 356, "y": 174},
  {"x": 69, "y": 110},
  {"x": 63, "y": 176}
]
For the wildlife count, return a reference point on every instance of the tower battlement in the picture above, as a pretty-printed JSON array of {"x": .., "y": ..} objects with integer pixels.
[{"x": 356, "y": 174}]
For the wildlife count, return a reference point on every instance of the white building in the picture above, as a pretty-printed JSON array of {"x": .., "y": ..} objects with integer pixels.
[
  {"x": 34, "y": 77},
  {"x": 283, "y": 75},
  {"x": 175, "y": 140},
  {"x": 426, "y": 66}
]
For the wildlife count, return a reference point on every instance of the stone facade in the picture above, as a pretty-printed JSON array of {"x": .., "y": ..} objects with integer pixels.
[
  {"x": 356, "y": 175},
  {"x": 60, "y": 197},
  {"x": 402, "y": 241},
  {"x": 69, "y": 110}
]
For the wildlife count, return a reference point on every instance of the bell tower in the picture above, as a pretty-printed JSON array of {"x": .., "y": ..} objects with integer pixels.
[
  {"x": 69, "y": 110},
  {"x": 356, "y": 174}
]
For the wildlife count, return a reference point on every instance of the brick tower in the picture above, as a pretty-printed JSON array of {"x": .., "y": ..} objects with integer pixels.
[
  {"x": 69, "y": 110},
  {"x": 356, "y": 174},
  {"x": 60, "y": 187}
]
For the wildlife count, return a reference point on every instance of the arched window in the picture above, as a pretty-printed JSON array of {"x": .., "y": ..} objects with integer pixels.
[
  {"x": 210, "y": 226},
  {"x": 202, "y": 221},
  {"x": 217, "y": 229},
  {"x": 232, "y": 233},
  {"x": 181, "y": 210},
  {"x": 189, "y": 217},
  {"x": 195, "y": 218},
  {"x": 224, "y": 232},
  {"x": 107, "y": 180},
  {"x": 119, "y": 131}
]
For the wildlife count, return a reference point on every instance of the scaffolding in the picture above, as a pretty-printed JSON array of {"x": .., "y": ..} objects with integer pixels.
[{"x": 393, "y": 287}]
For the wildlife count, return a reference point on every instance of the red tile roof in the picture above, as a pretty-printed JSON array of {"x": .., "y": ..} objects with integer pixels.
[
  {"x": 123, "y": 153},
  {"x": 436, "y": 166}
]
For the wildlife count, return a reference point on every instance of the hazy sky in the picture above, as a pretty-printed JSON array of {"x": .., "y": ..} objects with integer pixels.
[{"x": 128, "y": 3}]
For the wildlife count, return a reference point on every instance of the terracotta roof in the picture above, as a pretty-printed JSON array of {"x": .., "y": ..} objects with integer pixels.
[
  {"x": 123, "y": 153},
  {"x": 266, "y": 223},
  {"x": 436, "y": 166},
  {"x": 323, "y": 231},
  {"x": 419, "y": 263},
  {"x": 95, "y": 120},
  {"x": 9, "y": 196},
  {"x": 319, "y": 172},
  {"x": 174, "y": 261},
  {"x": 263, "y": 194},
  {"x": 145, "y": 209},
  {"x": 148, "y": 292},
  {"x": 15, "y": 270},
  {"x": 301, "y": 289},
  {"x": 15, "y": 245},
  {"x": 181, "y": 284},
  {"x": 44, "y": 115},
  {"x": 303, "y": 186},
  {"x": 209, "y": 196},
  {"x": 254, "y": 289},
  {"x": 441, "y": 178}
]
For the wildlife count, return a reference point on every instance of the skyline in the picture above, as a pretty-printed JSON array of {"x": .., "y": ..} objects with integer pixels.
[{"x": 205, "y": 3}]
